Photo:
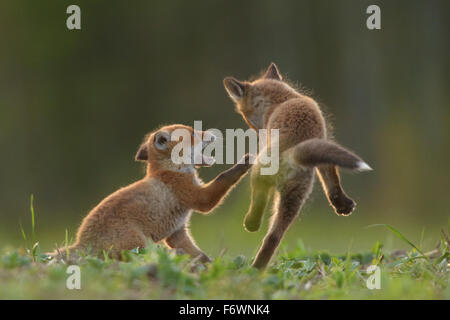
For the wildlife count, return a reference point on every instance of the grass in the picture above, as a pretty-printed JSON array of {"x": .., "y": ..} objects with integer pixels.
[{"x": 158, "y": 273}]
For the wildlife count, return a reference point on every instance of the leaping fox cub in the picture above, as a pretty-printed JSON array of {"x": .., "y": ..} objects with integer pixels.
[
  {"x": 270, "y": 103},
  {"x": 159, "y": 206}
]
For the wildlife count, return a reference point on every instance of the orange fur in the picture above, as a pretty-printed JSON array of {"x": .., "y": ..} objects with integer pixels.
[
  {"x": 270, "y": 103},
  {"x": 159, "y": 206}
]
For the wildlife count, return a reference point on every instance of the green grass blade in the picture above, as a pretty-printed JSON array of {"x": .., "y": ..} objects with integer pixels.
[
  {"x": 33, "y": 234},
  {"x": 398, "y": 234},
  {"x": 24, "y": 236}
]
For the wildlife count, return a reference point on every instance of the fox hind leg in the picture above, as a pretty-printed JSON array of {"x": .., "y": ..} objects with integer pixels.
[
  {"x": 181, "y": 239},
  {"x": 261, "y": 188},
  {"x": 291, "y": 197},
  {"x": 331, "y": 184},
  {"x": 129, "y": 239}
]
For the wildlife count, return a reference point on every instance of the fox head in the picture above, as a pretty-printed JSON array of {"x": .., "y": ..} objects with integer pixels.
[
  {"x": 254, "y": 99},
  {"x": 158, "y": 148}
]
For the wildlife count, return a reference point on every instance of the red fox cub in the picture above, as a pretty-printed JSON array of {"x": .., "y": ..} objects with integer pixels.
[
  {"x": 270, "y": 103},
  {"x": 159, "y": 206}
]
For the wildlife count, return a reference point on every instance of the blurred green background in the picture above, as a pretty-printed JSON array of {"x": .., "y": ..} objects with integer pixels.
[{"x": 74, "y": 106}]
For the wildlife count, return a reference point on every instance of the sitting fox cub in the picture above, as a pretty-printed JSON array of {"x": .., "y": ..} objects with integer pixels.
[
  {"x": 270, "y": 103},
  {"x": 159, "y": 206}
]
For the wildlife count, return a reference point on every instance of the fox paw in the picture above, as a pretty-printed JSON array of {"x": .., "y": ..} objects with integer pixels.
[
  {"x": 204, "y": 258},
  {"x": 251, "y": 225},
  {"x": 343, "y": 205}
]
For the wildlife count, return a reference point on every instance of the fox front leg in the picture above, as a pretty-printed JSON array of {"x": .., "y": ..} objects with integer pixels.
[{"x": 208, "y": 196}]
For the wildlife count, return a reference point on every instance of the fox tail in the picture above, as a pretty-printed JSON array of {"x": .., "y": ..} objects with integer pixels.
[{"x": 315, "y": 152}]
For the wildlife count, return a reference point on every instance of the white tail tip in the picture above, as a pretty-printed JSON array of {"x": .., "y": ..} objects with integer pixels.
[{"x": 362, "y": 166}]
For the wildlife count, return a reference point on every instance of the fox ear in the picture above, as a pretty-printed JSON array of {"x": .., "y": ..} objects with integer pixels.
[
  {"x": 142, "y": 154},
  {"x": 273, "y": 73},
  {"x": 235, "y": 88}
]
